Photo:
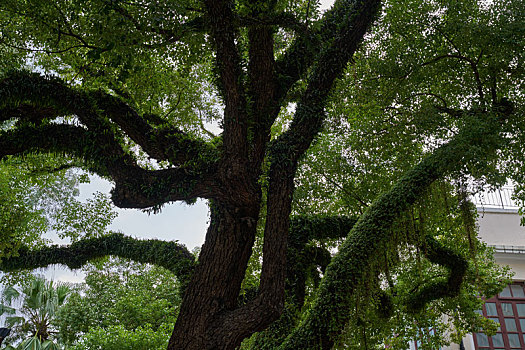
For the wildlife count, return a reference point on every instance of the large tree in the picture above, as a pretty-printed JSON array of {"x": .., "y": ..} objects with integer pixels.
[{"x": 139, "y": 79}]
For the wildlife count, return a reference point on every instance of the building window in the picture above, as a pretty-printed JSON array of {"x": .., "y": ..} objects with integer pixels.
[{"x": 508, "y": 310}]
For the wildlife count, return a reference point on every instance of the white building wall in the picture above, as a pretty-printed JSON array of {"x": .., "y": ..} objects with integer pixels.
[{"x": 501, "y": 229}]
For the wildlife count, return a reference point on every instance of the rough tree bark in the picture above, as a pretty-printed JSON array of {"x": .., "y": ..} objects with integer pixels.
[{"x": 224, "y": 325}]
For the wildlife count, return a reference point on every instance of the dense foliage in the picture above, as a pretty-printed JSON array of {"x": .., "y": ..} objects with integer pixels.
[
  {"x": 422, "y": 69},
  {"x": 389, "y": 114},
  {"x": 122, "y": 304}
]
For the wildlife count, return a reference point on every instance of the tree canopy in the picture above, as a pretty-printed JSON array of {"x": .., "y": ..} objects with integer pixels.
[
  {"x": 361, "y": 129},
  {"x": 121, "y": 305}
]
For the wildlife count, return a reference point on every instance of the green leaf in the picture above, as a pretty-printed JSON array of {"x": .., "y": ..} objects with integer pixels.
[
  {"x": 31, "y": 344},
  {"x": 49, "y": 345}
]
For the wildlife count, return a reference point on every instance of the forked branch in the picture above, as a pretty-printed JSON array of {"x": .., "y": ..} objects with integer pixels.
[{"x": 37, "y": 100}]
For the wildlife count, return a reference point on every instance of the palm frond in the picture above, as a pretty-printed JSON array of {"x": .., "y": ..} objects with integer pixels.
[
  {"x": 31, "y": 344},
  {"x": 6, "y": 310},
  {"x": 14, "y": 320},
  {"x": 10, "y": 294},
  {"x": 49, "y": 345}
]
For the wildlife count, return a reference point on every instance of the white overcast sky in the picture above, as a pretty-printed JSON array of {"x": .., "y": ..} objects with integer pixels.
[{"x": 176, "y": 221}]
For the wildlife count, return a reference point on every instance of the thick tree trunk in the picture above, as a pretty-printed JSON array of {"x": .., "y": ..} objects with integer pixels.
[{"x": 216, "y": 282}]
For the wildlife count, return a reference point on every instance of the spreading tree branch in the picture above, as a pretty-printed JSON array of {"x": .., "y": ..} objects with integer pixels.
[
  {"x": 168, "y": 254},
  {"x": 321, "y": 327},
  {"x": 50, "y": 97},
  {"x": 135, "y": 187},
  {"x": 101, "y": 156},
  {"x": 303, "y": 230},
  {"x": 26, "y": 113},
  {"x": 355, "y": 16},
  {"x": 163, "y": 143},
  {"x": 96, "y": 142},
  {"x": 439, "y": 288},
  {"x": 306, "y": 48}
]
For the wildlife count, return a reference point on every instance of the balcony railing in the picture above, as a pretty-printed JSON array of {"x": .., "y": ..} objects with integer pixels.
[
  {"x": 498, "y": 199},
  {"x": 514, "y": 249}
]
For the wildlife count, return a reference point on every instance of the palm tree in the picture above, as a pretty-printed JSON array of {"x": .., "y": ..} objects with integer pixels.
[{"x": 30, "y": 310}]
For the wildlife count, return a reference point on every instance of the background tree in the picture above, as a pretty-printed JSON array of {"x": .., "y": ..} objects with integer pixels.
[
  {"x": 39, "y": 194},
  {"x": 136, "y": 78},
  {"x": 20, "y": 223},
  {"x": 118, "y": 337},
  {"x": 31, "y": 309},
  {"x": 128, "y": 303}
]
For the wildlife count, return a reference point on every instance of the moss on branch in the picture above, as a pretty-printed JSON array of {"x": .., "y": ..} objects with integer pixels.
[
  {"x": 168, "y": 254},
  {"x": 165, "y": 142},
  {"x": 304, "y": 228},
  {"x": 348, "y": 21},
  {"x": 135, "y": 187},
  {"x": 35, "y": 98},
  {"x": 443, "y": 287},
  {"x": 304, "y": 256},
  {"x": 302, "y": 261},
  {"x": 372, "y": 232}
]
